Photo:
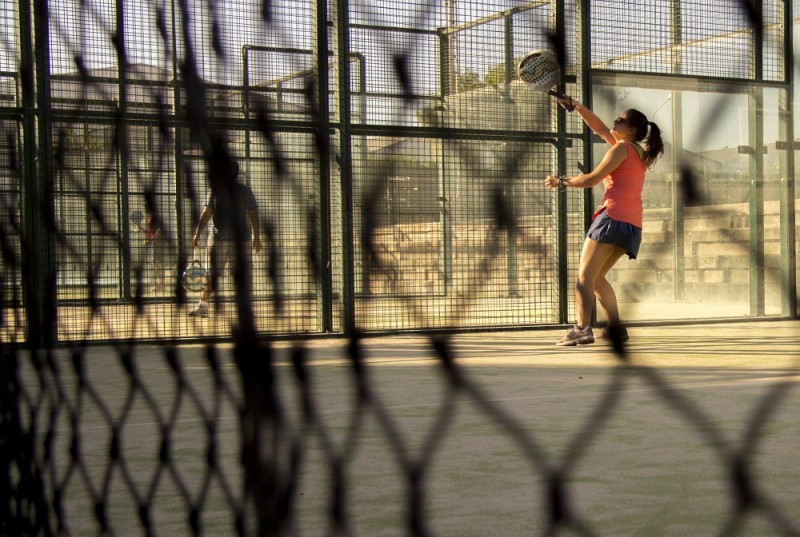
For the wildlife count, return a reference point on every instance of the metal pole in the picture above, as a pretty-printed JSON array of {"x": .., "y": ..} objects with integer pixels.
[
  {"x": 319, "y": 47},
  {"x": 508, "y": 191},
  {"x": 756, "y": 202},
  {"x": 40, "y": 260},
  {"x": 756, "y": 191},
  {"x": 788, "y": 235},
  {"x": 560, "y": 208},
  {"x": 678, "y": 231},
  {"x": 342, "y": 25},
  {"x": 124, "y": 153},
  {"x": 452, "y": 46},
  {"x": 185, "y": 226},
  {"x": 445, "y": 216}
]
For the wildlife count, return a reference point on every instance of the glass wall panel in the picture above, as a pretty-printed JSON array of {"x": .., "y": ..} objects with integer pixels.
[
  {"x": 712, "y": 211},
  {"x": 796, "y": 135}
]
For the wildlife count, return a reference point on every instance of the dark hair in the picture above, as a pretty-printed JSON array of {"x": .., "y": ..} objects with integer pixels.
[{"x": 648, "y": 132}]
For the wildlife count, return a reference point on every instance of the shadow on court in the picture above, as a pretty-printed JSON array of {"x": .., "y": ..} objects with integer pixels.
[{"x": 695, "y": 433}]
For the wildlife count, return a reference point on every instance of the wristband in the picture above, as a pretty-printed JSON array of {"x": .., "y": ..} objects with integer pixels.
[{"x": 563, "y": 183}]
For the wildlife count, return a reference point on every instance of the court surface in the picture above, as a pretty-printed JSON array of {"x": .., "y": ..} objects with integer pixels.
[{"x": 645, "y": 446}]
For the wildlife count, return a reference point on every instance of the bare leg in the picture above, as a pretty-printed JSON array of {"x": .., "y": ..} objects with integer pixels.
[
  {"x": 594, "y": 258},
  {"x": 159, "y": 272},
  {"x": 605, "y": 293}
]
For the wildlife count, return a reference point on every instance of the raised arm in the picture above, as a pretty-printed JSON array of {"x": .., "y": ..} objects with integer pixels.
[{"x": 591, "y": 120}]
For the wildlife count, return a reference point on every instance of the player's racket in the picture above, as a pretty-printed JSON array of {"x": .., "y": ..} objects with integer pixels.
[
  {"x": 195, "y": 278},
  {"x": 136, "y": 217},
  {"x": 540, "y": 70}
]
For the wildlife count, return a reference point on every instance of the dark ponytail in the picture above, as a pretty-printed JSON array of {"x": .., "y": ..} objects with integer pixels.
[
  {"x": 648, "y": 132},
  {"x": 655, "y": 146}
]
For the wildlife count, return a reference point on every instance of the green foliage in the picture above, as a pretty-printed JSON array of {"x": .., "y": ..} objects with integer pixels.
[
  {"x": 496, "y": 75},
  {"x": 83, "y": 139},
  {"x": 469, "y": 80}
]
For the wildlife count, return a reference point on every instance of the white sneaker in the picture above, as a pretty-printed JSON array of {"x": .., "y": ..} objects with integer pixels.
[
  {"x": 577, "y": 336},
  {"x": 199, "y": 311}
]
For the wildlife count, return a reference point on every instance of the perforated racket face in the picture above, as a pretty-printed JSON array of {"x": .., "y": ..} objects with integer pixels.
[
  {"x": 195, "y": 277},
  {"x": 539, "y": 69}
]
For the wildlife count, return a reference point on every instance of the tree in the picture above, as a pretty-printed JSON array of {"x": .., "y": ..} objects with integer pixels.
[
  {"x": 468, "y": 80},
  {"x": 496, "y": 75}
]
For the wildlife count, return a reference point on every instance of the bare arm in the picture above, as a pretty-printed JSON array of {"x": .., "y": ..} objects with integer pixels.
[
  {"x": 205, "y": 216},
  {"x": 591, "y": 120},
  {"x": 611, "y": 161},
  {"x": 253, "y": 214}
]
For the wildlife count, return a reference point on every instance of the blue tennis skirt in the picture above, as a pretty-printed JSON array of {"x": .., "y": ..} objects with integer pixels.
[{"x": 606, "y": 230}]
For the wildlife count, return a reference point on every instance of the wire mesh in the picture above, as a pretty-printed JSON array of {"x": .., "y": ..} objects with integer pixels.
[
  {"x": 396, "y": 165},
  {"x": 716, "y": 39},
  {"x": 340, "y": 438},
  {"x": 261, "y": 93}
]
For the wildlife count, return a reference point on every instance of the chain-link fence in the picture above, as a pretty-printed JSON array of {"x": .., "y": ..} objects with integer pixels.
[
  {"x": 396, "y": 164},
  {"x": 415, "y": 140}
]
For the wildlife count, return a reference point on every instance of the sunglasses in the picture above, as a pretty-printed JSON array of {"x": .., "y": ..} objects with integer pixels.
[{"x": 621, "y": 120}]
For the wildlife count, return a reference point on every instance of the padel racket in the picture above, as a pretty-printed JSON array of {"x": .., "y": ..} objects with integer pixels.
[
  {"x": 195, "y": 277},
  {"x": 136, "y": 217},
  {"x": 540, "y": 70}
]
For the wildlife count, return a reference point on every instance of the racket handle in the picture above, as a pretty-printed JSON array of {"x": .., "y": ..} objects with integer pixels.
[{"x": 562, "y": 97}]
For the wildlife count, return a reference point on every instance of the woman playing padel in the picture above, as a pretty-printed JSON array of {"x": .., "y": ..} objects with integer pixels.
[{"x": 617, "y": 226}]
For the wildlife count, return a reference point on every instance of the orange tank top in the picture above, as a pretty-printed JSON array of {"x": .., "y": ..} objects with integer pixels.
[{"x": 623, "y": 198}]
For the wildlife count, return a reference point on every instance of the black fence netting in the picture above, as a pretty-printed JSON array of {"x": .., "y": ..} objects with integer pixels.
[
  {"x": 388, "y": 438},
  {"x": 230, "y": 173}
]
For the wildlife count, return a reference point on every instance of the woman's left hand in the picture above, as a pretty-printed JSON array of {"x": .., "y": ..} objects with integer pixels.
[{"x": 552, "y": 181}]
